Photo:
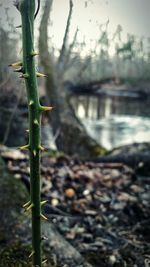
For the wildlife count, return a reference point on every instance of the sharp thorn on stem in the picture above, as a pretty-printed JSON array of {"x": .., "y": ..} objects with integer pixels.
[
  {"x": 36, "y": 122},
  {"x": 38, "y": 74},
  {"x": 41, "y": 148},
  {"x": 34, "y": 53},
  {"x": 44, "y": 217},
  {"x": 16, "y": 64},
  {"x": 44, "y": 108},
  {"x": 34, "y": 153},
  {"x": 19, "y": 70},
  {"x": 43, "y": 202},
  {"x": 26, "y": 204},
  {"x": 25, "y": 76},
  {"x": 31, "y": 102},
  {"x": 32, "y": 253},
  {"x": 26, "y": 147},
  {"x": 44, "y": 261},
  {"x": 44, "y": 238},
  {"x": 19, "y": 26},
  {"x": 30, "y": 207}
]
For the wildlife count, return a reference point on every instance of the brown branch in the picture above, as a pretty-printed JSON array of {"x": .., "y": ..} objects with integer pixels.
[
  {"x": 43, "y": 36},
  {"x": 74, "y": 41},
  {"x": 48, "y": 65},
  {"x": 65, "y": 39},
  {"x": 68, "y": 55}
]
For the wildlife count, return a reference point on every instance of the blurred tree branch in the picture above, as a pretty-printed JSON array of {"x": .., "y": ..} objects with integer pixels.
[{"x": 72, "y": 137}]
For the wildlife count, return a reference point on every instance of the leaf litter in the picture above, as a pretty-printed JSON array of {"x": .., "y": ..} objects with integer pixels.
[{"x": 102, "y": 209}]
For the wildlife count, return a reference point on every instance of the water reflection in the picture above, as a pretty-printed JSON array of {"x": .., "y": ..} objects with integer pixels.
[{"x": 114, "y": 121}]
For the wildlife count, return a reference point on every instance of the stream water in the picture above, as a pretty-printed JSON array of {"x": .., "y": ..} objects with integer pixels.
[{"x": 114, "y": 120}]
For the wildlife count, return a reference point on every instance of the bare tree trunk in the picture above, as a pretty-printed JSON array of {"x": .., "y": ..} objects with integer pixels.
[{"x": 72, "y": 138}]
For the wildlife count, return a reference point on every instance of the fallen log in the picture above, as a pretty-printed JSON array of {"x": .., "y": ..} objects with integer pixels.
[{"x": 139, "y": 162}]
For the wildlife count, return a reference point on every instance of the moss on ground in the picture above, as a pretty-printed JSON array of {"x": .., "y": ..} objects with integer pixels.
[
  {"x": 15, "y": 255},
  {"x": 12, "y": 227}
]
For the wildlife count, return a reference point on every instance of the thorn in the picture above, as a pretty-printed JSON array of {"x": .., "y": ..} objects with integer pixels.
[
  {"x": 24, "y": 147},
  {"x": 32, "y": 253},
  {"x": 36, "y": 122},
  {"x": 43, "y": 202},
  {"x": 44, "y": 238},
  {"x": 44, "y": 217},
  {"x": 19, "y": 26},
  {"x": 44, "y": 261},
  {"x": 25, "y": 76},
  {"x": 26, "y": 204},
  {"x": 34, "y": 53},
  {"x": 19, "y": 70},
  {"x": 16, "y": 64},
  {"x": 30, "y": 207},
  {"x": 41, "y": 148},
  {"x": 44, "y": 108},
  {"x": 38, "y": 74},
  {"x": 31, "y": 102},
  {"x": 34, "y": 153}
]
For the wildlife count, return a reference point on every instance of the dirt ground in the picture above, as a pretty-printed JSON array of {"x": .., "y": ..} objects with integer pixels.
[{"x": 102, "y": 209}]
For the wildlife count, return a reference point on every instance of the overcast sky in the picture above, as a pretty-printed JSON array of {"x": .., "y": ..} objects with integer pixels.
[{"x": 133, "y": 15}]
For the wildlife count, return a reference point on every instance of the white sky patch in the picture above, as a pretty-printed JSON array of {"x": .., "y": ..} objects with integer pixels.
[{"x": 133, "y": 15}]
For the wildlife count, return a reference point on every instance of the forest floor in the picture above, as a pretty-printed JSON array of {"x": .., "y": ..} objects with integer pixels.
[{"x": 102, "y": 209}]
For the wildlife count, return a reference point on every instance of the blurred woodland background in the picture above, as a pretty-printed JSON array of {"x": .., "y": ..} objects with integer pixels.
[
  {"x": 99, "y": 87},
  {"x": 95, "y": 169}
]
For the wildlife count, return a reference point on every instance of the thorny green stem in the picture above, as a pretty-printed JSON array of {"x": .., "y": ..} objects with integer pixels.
[
  {"x": 27, "y": 10},
  {"x": 27, "y": 67}
]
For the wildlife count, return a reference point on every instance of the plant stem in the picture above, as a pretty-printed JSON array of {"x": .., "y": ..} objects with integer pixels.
[
  {"x": 27, "y": 68},
  {"x": 27, "y": 10}
]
